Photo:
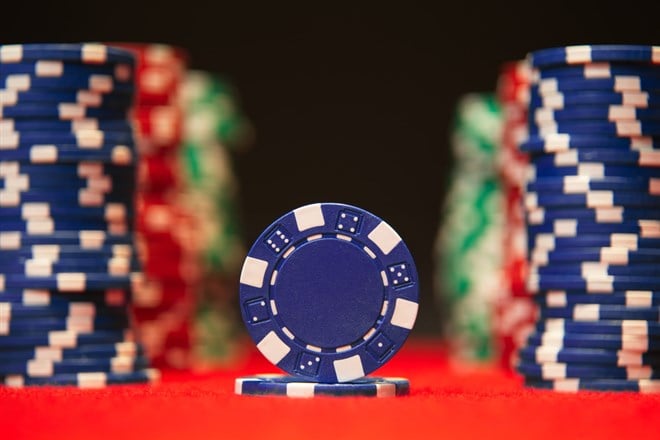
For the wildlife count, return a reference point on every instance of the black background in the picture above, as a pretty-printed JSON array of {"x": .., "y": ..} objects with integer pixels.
[{"x": 351, "y": 103}]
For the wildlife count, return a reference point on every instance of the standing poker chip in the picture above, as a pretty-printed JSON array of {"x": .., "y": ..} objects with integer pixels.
[
  {"x": 329, "y": 292},
  {"x": 279, "y": 385}
]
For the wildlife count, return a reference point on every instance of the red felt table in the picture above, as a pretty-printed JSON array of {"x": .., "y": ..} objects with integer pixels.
[{"x": 444, "y": 404}]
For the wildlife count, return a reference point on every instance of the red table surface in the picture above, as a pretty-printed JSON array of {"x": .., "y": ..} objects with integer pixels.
[{"x": 444, "y": 404}]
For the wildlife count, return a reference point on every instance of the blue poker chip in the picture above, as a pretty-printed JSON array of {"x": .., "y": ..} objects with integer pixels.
[
  {"x": 26, "y": 125},
  {"x": 50, "y": 97},
  {"x": 545, "y": 355},
  {"x": 550, "y": 371},
  {"x": 65, "y": 112},
  {"x": 582, "y": 184},
  {"x": 56, "y": 251},
  {"x": 78, "y": 324},
  {"x": 592, "y": 284},
  {"x": 634, "y": 343},
  {"x": 598, "y": 70},
  {"x": 573, "y": 228},
  {"x": 34, "y": 297},
  {"x": 598, "y": 269},
  {"x": 63, "y": 339},
  {"x": 46, "y": 173},
  {"x": 591, "y": 199},
  {"x": 88, "y": 240},
  {"x": 47, "y": 267},
  {"x": 575, "y": 385},
  {"x": 629, "y": 241},
  {"x": 279, "y": 385},
  {"x": 42, "y": 368},
  {"x": 74, "y": 309},
  {"x": 45, "y": 227},
  {"x": 575, "y": 148},
  {"x": 618, "y": 128},
  {"x": 66, "y": 282},
  {"x": 112, "y": 212},
  {"x": 564, "y": 100},
  {"x": 630, "y": 299},
  {"x": 85, "y": 351},
  {"x": 85, "y": 53},
  {"x": 569, "y": 55},
  {"x": 83, "y": 139},
  {"x": 616, "y": 214},
  {"x": 590, "y": 169},
  {"x": 86, "y": 380},
  {"x": 639, "y": 82},
  {"x": 616, "y": 328},
  {"x": 329, "y": 292},
  {"x": 111, "y": 154},
  {"x": 585, "y": 113},
  {"x": 59, "y": 68},
  {"x": 595, "y": 312},
  {"x": 607, "y": 255}
]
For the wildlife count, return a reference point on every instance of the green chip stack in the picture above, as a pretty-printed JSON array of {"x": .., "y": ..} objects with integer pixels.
[
  {"x": 469, "y": 244},
  {"x": 214, "y": 127}
]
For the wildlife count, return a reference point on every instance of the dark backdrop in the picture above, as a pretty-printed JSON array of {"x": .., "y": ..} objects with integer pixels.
[{"x": 351, "y": 103}]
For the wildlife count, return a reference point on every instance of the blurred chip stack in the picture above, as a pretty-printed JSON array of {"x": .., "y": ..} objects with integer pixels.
[
  {"x": 469, "y": 244},
  {"x": 165, "y": 302},
  {"x": 214, "y": 128},
  {"x": 67, "y": 179},
  {"x": 593, "y": 219},
  {"x": 514, "y": 311}
]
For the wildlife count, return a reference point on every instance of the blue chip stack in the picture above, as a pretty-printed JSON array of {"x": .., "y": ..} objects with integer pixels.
[
  {"x": 67, "y": 184},
  {"x": 329, "y": 293},
  {"x": 593, "y": 219}
]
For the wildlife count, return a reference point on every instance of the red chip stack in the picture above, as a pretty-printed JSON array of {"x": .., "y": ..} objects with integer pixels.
[
  {"x": 164, "y": 305},
  {"x": 514, "y": 309}
]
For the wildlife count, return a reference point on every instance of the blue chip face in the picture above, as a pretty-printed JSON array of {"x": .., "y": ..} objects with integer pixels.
[
  {"x": 30, "y": 125},
  {"x": 278, "y": 385},
  {"x": 85, "y": 380},
  {"x": 638, "y": 344},
  {"x": 551, "y": 371},
  {"x": 329, "y": 292},
  {"x": 85, "y": 53},
  {"x": 617, "y": 214},
  {"x": 51, "y": 154},
  {"x": 577, "y": 145},
  {"x": 575, "y": 385},
  {"x": 66, "y": 282},
  {"x": 595, "y": 312},
  {"x": 66, "y": 112},
  {"x": 570, "y": 55},
  {"x": 596, "y": 357},
  {"x": 570, "y": 99},
  {"x": 616, "y": 328}
]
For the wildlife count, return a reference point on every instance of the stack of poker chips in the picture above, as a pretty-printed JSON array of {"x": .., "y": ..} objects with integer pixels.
[
  {"x": 329, "y": 293},
  {"x": 67, "y": 188},
  {"x": 214, "y": 128},
  {"x": 469, "y": 244},
  {"x": 593, "y": 219},
  {"x": 165, "y": 301},
  {"x": 514, "y": 311}
]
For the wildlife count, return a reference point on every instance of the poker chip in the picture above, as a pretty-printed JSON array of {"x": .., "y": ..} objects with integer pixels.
[
  {"x": 474, "y": 192},
  {"x": 279, "y": 385},
  {"x": 329, "y": 292},
  {"x": 592, "y": 219},
  {"x": 575, "y": 385},
  {"x": 68, "y": 264}
]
